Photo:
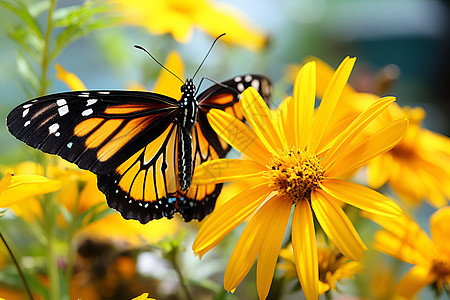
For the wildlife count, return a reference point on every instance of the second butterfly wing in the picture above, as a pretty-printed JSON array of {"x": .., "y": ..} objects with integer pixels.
[{"x": 144, "y": 187}]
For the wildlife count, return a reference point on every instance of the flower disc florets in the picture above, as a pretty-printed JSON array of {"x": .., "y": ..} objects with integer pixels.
[{"x": 294, "y": 173}]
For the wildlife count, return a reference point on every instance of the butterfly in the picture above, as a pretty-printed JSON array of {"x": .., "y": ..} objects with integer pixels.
[{"x": 142, "y": 146}]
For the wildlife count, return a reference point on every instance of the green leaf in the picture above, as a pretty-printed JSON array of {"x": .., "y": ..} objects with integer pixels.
[
  {"x": 21, "y": 10},
  {"x": 27, "y": 40},
  {"x": 27, "y": 72}
]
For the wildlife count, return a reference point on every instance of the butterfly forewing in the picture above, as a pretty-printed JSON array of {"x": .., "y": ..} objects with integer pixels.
[
  {"x": 131, "y": 141},
  {"x": 94, "y": 129}
]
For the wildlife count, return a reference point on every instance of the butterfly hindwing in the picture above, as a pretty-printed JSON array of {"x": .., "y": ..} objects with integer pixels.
[
  {"x": 226, "y": 96},
  {"x": 93, "y": 129}
]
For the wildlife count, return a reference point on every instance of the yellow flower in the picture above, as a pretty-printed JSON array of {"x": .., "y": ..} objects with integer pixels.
[
  {"x": 179, "y": 17},
  {"x": 297, "y": 158},
  {"x": 143, "y": 297},
  {"x": 418, "y": 167},
  {"x": 405, "y": 240},
  {"x": 333, "y": 266},
  {"x": 14, "y": 189}
]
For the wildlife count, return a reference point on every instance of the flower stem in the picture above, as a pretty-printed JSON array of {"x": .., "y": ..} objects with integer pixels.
[
  {"x": 46, "y": 52},
  {"x": 17, "y": 267},
  {"x": 174, "y": 261},
  {"x": 51, "y": 212}
]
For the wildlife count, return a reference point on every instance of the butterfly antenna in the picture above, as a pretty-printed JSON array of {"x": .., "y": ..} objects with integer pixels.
[
  {"x": 201, "y": 64},
  {"x": 145, "y": 50}
]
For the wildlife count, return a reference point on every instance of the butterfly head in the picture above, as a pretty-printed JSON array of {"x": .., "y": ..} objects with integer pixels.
[{"x": 188, "y": 87}]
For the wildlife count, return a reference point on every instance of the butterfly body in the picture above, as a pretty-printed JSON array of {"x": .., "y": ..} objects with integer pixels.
[{"x": 143, "y": 146}]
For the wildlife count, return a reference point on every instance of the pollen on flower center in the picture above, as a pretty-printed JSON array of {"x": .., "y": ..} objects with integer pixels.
[{"x": 295, "y": 173}]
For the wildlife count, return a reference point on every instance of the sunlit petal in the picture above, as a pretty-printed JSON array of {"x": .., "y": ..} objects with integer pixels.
[
  {"x": 337, "y": 226},
  {"x": 326, "y": 109},
  {"x": 260, "y": 119},
  {"x": 304, "y": 99},
  {"x": 70, "y": 79},
  {"x": 353, "y": 130},
  {"x": 225, "y": 218},
  {"x": 417, "y": 278},
  {"x": 305, "y": 249},
  {"x": 373, "y": 146},
  {"x": 222, "y": 170},
  {"x": 272, "y": 243},
  {"x": 440, "y": 229},
  {"x": 238, "y": 135},
  {"x": 361, "y": 197}
]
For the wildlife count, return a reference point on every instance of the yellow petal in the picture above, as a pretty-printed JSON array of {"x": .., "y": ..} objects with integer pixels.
[
  {"x": 326, "y": 109},
  {"x": 70, "y": 79},
  {"x": 285, "y": 115},
  {"x": 221, "y": 17},
  {"x": 417, "y": 278},
  {"x": 22, "y": 187},
  {"x": 440, "y": 229},
  {"x": 304, "y": 101},
  {"x": 336, "y": 225},
  {"x": 238, "y": 135},
  {"x": 168, "y": 84},
  {"x": 403, "y": 239},
  {"x": 361, "y": 197},
  {"x": 226, "y": 217},
  {"x": 268, "y": 254},
  {"x": 222, "y": 170},
  {"x": 260, "y": 119},
  {"x": 249, "y": 244},
  {"x": 380, "y": 169},
  {"x": 5, "y": 181},
  {"x": 305, "y": 249},
  {"x": 373, "y": 146},
  {"x": 344, "y": 139}
]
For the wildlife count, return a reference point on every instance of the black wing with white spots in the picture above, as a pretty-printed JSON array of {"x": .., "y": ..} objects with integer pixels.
[{"x": 143, "y": 146}]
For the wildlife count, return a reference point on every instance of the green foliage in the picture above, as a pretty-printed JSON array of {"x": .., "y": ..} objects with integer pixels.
[{"x": 41, "y": 44}]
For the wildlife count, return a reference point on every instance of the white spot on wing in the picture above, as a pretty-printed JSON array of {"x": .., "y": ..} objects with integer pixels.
[
  {"x": 255, "y": 84},
  {"x": 61, "y": 102},
  {"x": 240, "y": 87},
  {"x": 63, "y": 110},
  {"x": 25, "y": 112},
  {"x": 53, "y": 128},
  {"x": 91, "y": 101},
  {"x": 26, "y": 124},
  {"x": 57, "y": 134},
  {"x": 104, "y": 93},
  {"x": 237, "y": 79},
  {"x": 69, "y": 145},
  {"x": 248, "y": 78},
  {"x": 27, "y": 106},
  {"x": 87, "y": 112}
]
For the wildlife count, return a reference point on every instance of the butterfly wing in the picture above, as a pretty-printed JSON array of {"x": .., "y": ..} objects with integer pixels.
[
  {"x": 226, "y": 97},
  {"x": 145, "y": 187},
  {"x": 94, "y": 129}
]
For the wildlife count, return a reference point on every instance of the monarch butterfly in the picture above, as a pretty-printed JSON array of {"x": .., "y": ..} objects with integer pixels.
[{"x": 143, "y": 146}]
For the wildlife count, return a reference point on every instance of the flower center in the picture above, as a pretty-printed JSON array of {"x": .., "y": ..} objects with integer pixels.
[
  {"x": 294, "y": 173},
  {"x": 441, "y": 267}
]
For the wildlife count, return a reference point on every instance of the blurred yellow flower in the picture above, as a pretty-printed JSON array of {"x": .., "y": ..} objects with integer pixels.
[
  {"x": 333, "y": 266},
  {"x": 179, "y": 18},
  {"x": 403, "y": 239},
  {"x": 143, "y": 297},
  {"x": 418, "y": 167},
  {"x": 14, "y": 189},
  {"x": 297, "y": 158}
]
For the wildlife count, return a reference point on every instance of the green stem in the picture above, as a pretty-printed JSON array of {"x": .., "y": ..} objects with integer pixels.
[
  {"x": 17, "y": 267},
  {"x": 50, "y": 230},
  {"x": 46, "y": 52},
  {"x": 70, "y": 249},
  {"x": 173, "y": 259}
]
